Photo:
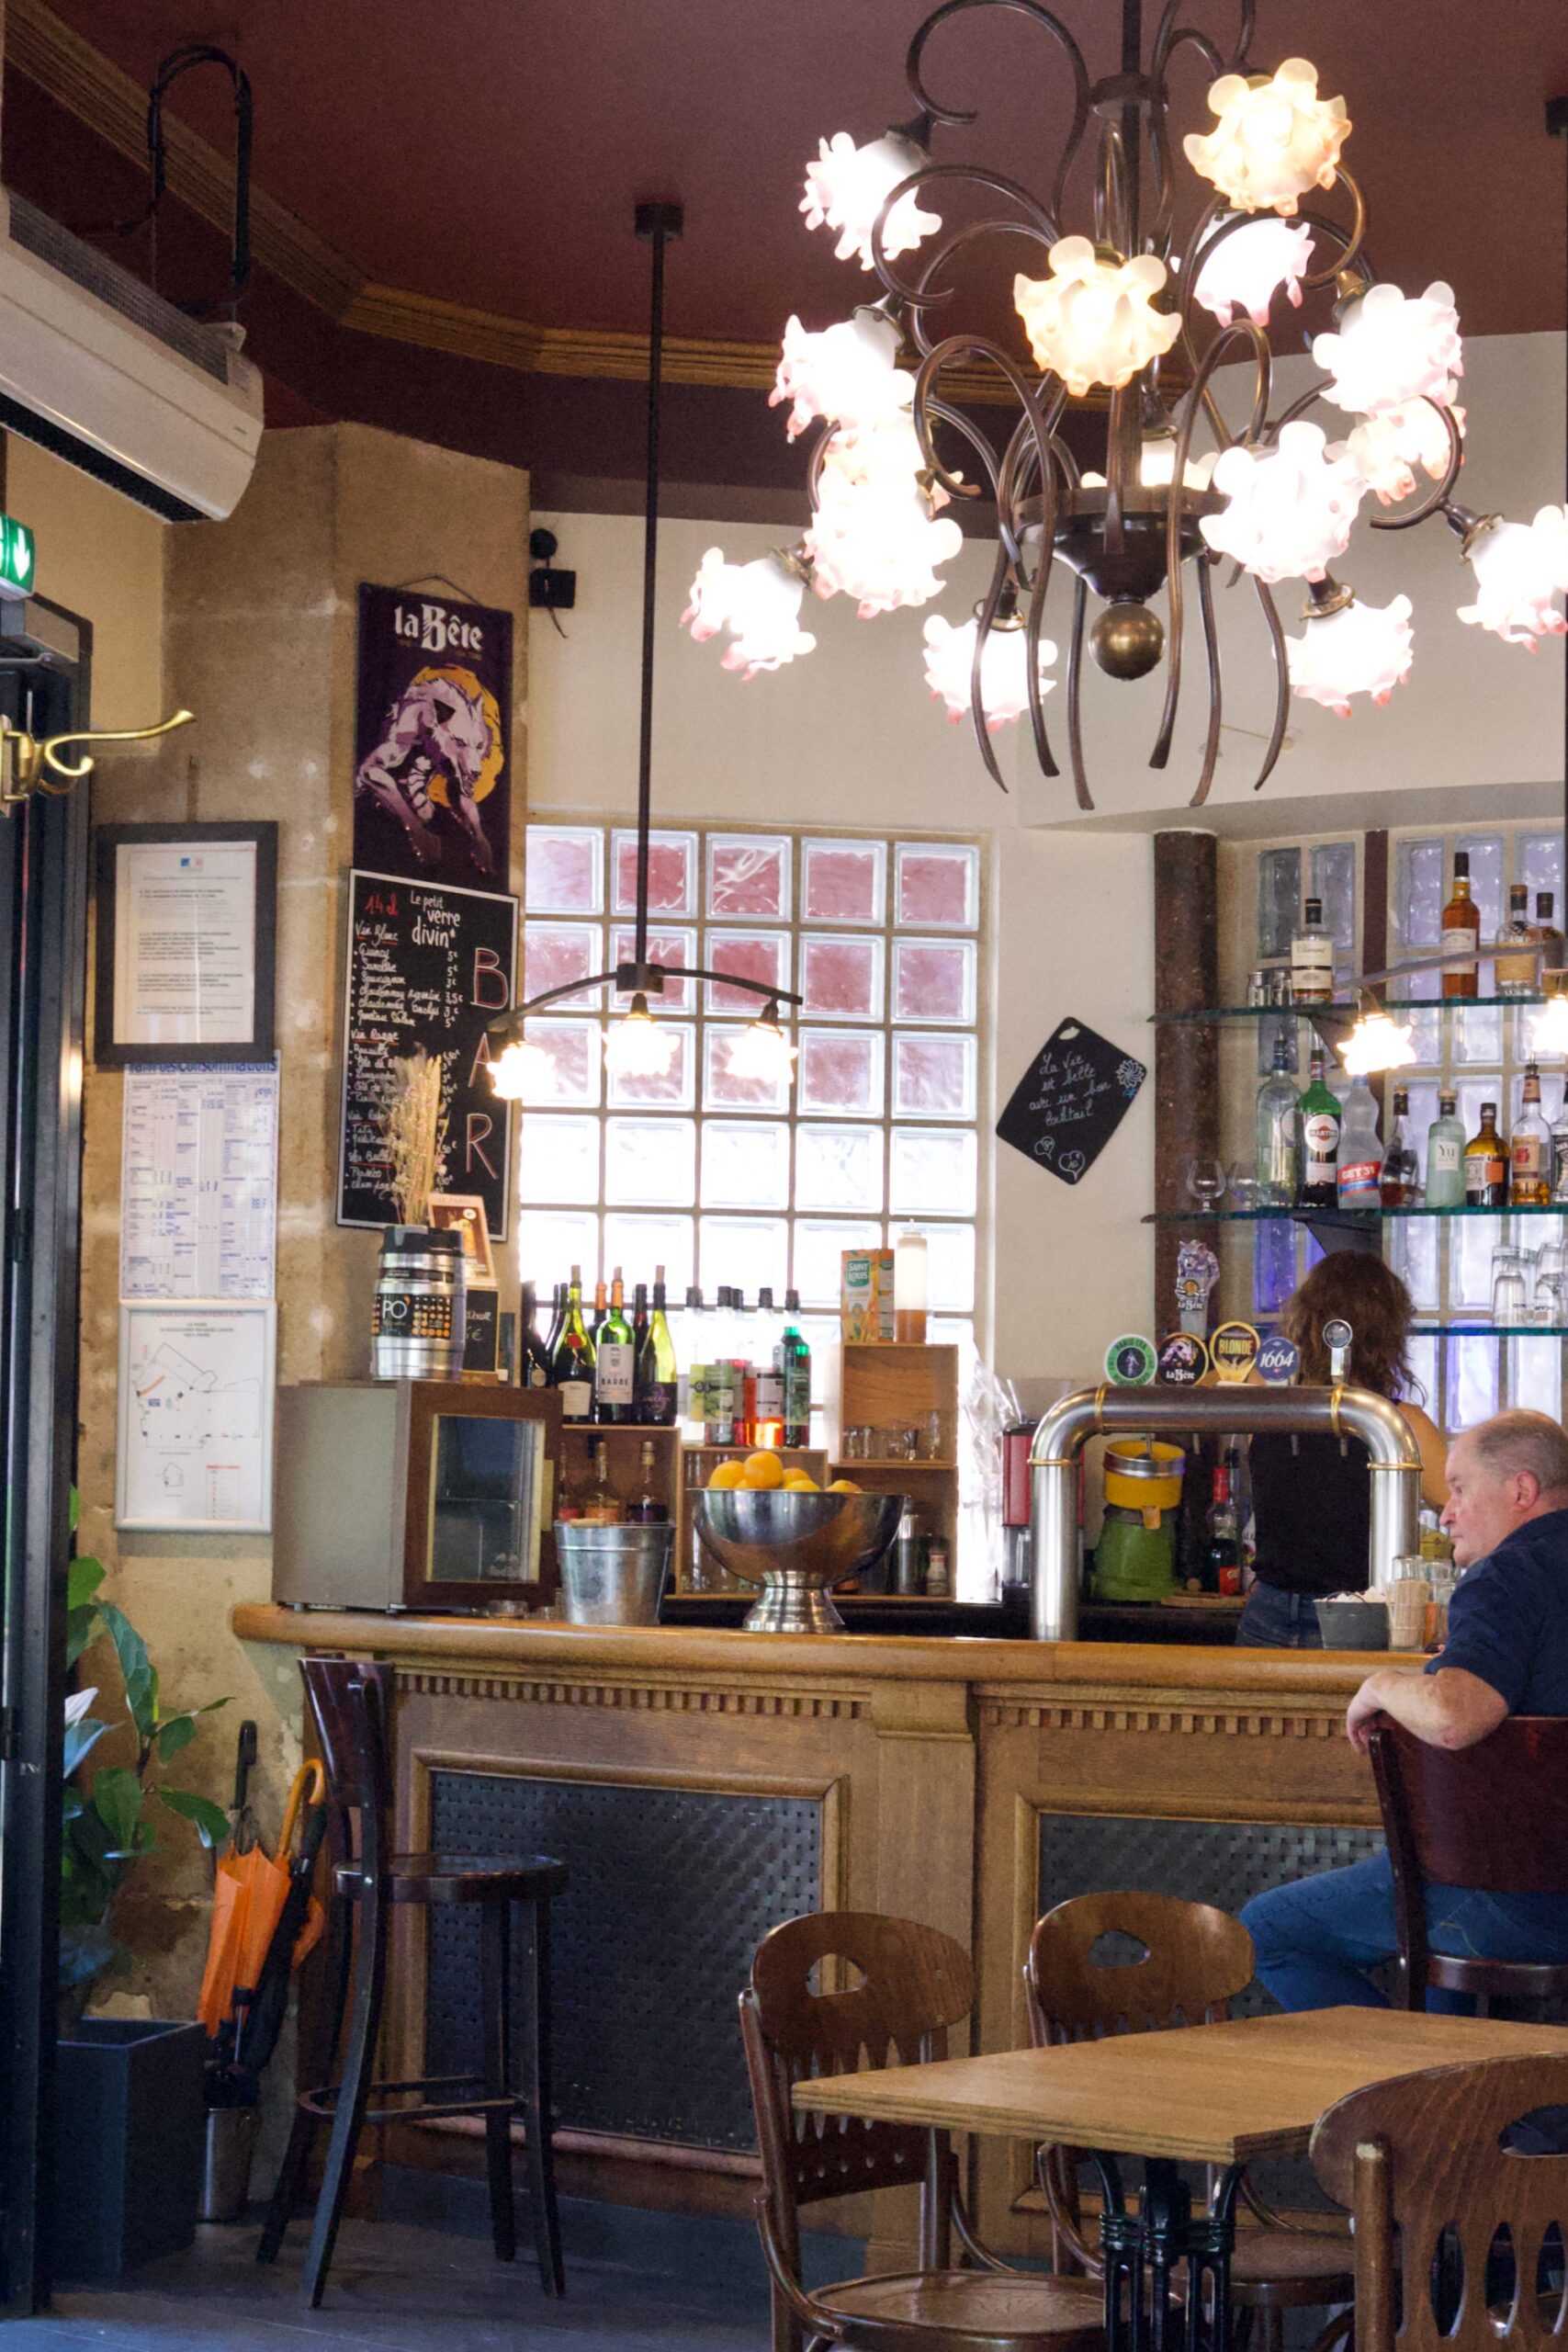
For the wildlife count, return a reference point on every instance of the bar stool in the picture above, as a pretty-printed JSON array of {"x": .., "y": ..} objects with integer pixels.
[{"x": 351, "y": 1701}]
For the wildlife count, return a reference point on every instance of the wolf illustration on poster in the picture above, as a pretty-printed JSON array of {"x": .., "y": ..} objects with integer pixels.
[{"x": 441, "y": 749}]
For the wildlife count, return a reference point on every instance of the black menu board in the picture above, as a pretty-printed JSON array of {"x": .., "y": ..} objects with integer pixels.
[
  {"x": 427, "y": 965},
  {"x": 1070, "y": 1100}
]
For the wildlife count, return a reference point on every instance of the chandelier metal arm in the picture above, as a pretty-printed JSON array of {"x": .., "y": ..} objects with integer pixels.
[
  {"x": 1040, "y": 228},
  {"x": 1438, "y": 498},
  {"x": 970, "y": 431},
  {"x": 1081, "y": 792},
  {"x": 958, "y": 116},
  {"x": 1216, "y": 689},
  {"x": 990, "y": 606},
  {"x": 1351, "y": 241},
  {"x": 1168, "y": 38},
  {"x": 506, "y": 1029},
  {"x": 1028, "y": 454},
  {"x": 1276, "y": 742}
]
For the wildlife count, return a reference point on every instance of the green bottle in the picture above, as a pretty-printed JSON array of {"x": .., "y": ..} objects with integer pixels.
[
  {"x": 573, "y": 1365},
  {"x": 657, "y": 1371},
  {"x": 1318, "y": 1108},
  {"x": 791, "y": 1361},
  {"x": 614, "y": 1360}
]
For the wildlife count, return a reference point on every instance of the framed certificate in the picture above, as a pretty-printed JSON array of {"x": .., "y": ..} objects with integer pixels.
[
  {"x": 186, "y": 941},
  {"x": 196, "y": 1407}
]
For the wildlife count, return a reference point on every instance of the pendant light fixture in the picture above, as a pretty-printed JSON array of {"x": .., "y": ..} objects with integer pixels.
[{"x": 637, "y": 1044}]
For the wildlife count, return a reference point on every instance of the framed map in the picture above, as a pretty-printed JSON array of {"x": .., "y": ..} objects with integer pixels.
[{"x": 196, "y": 1391}]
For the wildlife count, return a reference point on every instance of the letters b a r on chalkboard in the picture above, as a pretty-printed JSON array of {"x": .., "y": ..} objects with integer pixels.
[{"x": 1070, "y": 1100}]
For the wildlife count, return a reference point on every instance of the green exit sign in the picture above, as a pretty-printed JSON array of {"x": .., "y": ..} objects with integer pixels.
[{"x": 19, "y": 558}]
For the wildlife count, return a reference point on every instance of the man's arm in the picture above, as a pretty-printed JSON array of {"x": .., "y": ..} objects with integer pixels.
[{"x": 1449, "y": 1709}]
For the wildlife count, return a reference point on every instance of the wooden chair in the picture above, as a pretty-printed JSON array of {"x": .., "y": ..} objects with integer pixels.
[
  {"x": 1446, "y": 1827},
  {"x": 1421, "y": 2163},
  {"x": 886, "y": 1992},
  {"x": 1195, "y": 1961},
  {"x": 351, "y": 1703}
]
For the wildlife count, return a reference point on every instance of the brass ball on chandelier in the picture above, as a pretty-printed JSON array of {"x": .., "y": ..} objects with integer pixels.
[{"x": 1127, "y": 639}]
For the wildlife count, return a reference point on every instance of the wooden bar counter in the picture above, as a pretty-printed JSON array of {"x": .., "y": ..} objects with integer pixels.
[{"x": 702, "y": 1785}]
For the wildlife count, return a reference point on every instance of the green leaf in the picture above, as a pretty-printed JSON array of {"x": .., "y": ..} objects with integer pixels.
[
  {"x": 175, "y": 1733},
  {"x": 117, "y": 1800},
  {"x": 209, "y": 1821},
  {"x": 81, "y": 1739},
  {"x": 141, "y": 1682},
  {"x": 83, "y": 1578}
]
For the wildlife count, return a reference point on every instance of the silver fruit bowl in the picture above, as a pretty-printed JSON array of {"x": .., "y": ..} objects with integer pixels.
[{"x": 795, "y": 1546}]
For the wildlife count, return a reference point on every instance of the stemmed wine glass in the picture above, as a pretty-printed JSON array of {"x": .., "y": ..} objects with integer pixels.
[{"x": 1205, "y": 1180}]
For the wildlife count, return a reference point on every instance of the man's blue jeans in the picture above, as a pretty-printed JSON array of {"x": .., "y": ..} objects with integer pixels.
[{"x": 1316, "y": 1939}]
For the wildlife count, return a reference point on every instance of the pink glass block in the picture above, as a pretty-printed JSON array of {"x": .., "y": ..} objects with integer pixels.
[
  {"x": 554, "y": 953},
  {"x": 843, "y": 881},
  {"x": 666, "y": 947},
  {"x": 933, "y": 980},
  {"x": 565, "y": 869},
  {"x": 758, "y": 954},
  {"x": 840, "y": 980},
  {"x": 725, "y": 1091},
  {"x": 933, "y": 1077},
  {"x": 937, "y": 887},
  {"x": 840, "y": 1070},
  {"x": 672, "y": 1091},
  {"x": 749, "y": 876},
  {"x": 573, "y": 1048},
  {"x": 671, "y": 873}
]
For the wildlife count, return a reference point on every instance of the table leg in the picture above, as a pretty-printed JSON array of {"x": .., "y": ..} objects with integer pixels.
[
  {"x": 1211, "y": 2240},
  {"x": 1167, "y": 2232},
  {"x": 1142, "y": 2249},
  {"x": 1121, "y": 2245}
]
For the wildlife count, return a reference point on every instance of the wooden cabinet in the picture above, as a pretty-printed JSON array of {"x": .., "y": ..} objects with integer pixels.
[
  {"x": 623, "y": 1443},
  {"x": 885, "y": 1388}
]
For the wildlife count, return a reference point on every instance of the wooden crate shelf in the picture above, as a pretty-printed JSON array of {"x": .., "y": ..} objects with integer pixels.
[{"x": 887, "y": 1385}]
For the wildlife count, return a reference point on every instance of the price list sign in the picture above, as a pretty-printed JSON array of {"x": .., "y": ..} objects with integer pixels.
[{"x": 430, "y": 966}]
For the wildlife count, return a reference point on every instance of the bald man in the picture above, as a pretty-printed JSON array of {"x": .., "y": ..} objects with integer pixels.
[{"x": 1507, "y": 1654}]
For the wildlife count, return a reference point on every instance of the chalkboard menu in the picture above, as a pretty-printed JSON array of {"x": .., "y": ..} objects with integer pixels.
[
  {"x": 427, "y": 965},
  {"x": 1070, "y": 1100}
]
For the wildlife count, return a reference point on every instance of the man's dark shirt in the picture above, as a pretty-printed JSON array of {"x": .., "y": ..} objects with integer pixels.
[{"x": 1509, "y": 1619}]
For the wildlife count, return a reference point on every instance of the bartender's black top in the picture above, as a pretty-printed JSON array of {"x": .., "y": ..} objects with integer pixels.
[{"x": 1312, "y": 1505}]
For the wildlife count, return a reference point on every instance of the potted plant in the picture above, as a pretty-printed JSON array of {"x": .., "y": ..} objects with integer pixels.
[{"x": 129, "y": 2110}]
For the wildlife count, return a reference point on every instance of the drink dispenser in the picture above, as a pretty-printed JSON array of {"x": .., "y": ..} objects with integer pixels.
[
  {"x": 1135, "y": 1557},
  {"x": 1017, "y": 1439}
]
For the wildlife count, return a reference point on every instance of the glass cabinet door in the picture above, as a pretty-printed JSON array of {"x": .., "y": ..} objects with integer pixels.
[{"x": 487, "y": 1499}]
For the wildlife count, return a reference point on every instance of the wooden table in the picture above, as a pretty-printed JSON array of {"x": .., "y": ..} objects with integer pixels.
[{"x": 1222, "y": 2095}]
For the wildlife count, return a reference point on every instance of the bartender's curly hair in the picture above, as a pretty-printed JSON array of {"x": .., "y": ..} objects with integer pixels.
[{"x": 1374, "y": 1302}]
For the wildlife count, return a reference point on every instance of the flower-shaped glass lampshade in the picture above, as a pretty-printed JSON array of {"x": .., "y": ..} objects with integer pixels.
[
  {"x": 1004, "y": 668},
  {"x": 1290, "y": 508},
  {"x": 1549, "y": 1031},
  {"x": 1271, "y": 143},
  {"x": 1392, "y": 349},
  {"x": 847, "y": 187},
  {"x": 758, "y": 602},
  {"x": 1519, "y": 569},
  {"x": 1092, "y": 321},
  {"x": 522, "y": 1072},
  {"x": 635, "y": 1047},
  {"x": 761, "y": 1050},
  {"x": 1386, "y": 449},
  {"x": 1156, "y": 466},
  {"x": 846, "y": 374},
  {"x": 1376, "y": 1042},
  {"x": 1361, "y": 650},
  {"x": 875, "y": 534},
  {"x": 1248, "y": 268}
]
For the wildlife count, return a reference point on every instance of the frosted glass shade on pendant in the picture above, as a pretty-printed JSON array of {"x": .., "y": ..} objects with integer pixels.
[
  {"x": 635, "y": 1047},
  {"x": 762, "y": 1051},
  {"x": 1290, "y": 508},
  {"x": 1520, "y": 569},
  {"x": 758, "y": 604},
  {"x": 845, "y": 375},
  {"x": 1549, "y": 1034},
  {"x": 1004, "y": 670},
  {"x": 522, "y": 1072},
  {"x": 1385, "y": 449},
  {"x": 876, "y": 534},
  {"x": 1391, "y": 348},
  {"x": 1271, "y": 142},
  {"x": 1248, "y": 268},
  {"x": 1156, "y": 466},
  {"x": 847, "y": 187},
  {"x": 1376, "y": 1042},
  {"x": 1092, "y": 320},
  {"x": 1361, "y": 650}
]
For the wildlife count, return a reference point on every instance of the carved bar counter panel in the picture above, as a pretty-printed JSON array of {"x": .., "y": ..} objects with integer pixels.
[{"x": 702, "y": 1785}]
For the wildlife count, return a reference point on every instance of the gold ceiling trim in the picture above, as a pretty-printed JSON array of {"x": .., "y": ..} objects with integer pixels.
[{"x": 114, "y": 108}]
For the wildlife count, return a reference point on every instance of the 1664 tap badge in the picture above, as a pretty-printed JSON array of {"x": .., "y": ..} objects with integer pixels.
[
  {"x": 1233, "y": 1351},
  {"x": 1279, "y": 1361},
  {"x": 1183, "y": 1360},
  {"x": 1130, "y": 1361}
]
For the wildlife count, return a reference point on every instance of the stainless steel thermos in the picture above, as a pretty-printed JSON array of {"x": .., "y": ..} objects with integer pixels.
[{"x": 417, "y": 1321}]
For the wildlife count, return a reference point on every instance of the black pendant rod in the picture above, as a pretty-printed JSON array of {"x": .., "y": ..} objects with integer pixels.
[{"x": 658, "y": 222}]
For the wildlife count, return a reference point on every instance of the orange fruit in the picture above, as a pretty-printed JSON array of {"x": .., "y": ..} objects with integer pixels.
[
  {"x": 800, "y": 1482},
  {"x": 761, "y": 1470},
  {"x": 844, "y": 1487},
  {"x": 725, "y": 1475}
]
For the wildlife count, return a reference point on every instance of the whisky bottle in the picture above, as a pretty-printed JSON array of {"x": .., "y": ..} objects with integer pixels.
[
  {"x": 1312, "y": 958},
  {"x": 1486, "y": 1164},
  {"x": 1546, "y": 936},
  {"x": 601, "y": 1504},
  {"x": 647, "y": 1507},
  {"x": 1462, "y": 927},
  {"x": 1530, "y": 1149},
  {"x": 1514, "y": 967}
]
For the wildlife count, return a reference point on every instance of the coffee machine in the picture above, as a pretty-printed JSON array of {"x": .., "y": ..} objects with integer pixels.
[{"x": 1017, "y": 1439}]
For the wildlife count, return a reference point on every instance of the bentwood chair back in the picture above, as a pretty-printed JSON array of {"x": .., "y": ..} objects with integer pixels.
[
  {"x": 1421, "y": 2162},
  {"x": 831, "y": 1991},
  {"x": 1446, "y": 1827}
]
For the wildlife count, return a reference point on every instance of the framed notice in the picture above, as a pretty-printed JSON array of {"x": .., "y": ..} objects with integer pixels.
[
  {"x": 186, "y": 943},
  {"x": 196, "y": 1391}
]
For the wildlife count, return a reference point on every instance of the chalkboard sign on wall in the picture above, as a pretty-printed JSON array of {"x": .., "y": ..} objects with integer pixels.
[
  {"x": 427, "y": 965},
  {"x": 1070, "y": 1100}
]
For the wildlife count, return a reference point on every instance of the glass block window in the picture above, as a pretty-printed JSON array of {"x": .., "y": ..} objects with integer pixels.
[{"x": 730, "y": 1179}]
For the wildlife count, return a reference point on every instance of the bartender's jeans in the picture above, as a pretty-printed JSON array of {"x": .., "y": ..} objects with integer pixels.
[
  {"x": 1273, "y": 1620},
  {"x": 1316, "y": 1937}
]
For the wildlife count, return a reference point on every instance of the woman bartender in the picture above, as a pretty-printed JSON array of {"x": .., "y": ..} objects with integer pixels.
[{"x": 1312, "y": 1498}]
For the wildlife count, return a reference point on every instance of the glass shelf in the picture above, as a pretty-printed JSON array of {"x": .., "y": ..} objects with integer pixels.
[
  {"x": 1489, "y": 1330},
  {"x": 1198, "y": 1214},
  {"x": 1345, "y": 1012}
]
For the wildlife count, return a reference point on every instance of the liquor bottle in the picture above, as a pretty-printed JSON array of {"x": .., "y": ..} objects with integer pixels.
[
  {"x": 557, "y": 1318},
  {"x": 572, "y": 1367},
  {"x": 614, "y": 1360},
  {"x": 1462, "y": 927},
  {"x": 1318, "y": 1108},
  {"x": 792, "y": 1359},
  {"x": 569, "y": 1505},
  {"x": 690, "y": 1335},
  {"x": 744, "y": 1370},
  {"x": 1529, "y": 1149},
  {"x": 647, "y": 1507},
  {"x": 1445, "y": 1157},
  {"x": 1360, "y": 1151},
  {"x": 534, "y": 1363},
  {"x": 1221, "y": 1553},
  {"x": 1514, "y": 971},
  {"x": 602, "y": 1507},
  {"x": 1279, "y": 1131},
  {"x": 1312, "y": 958},
  {"x": 1399, "y": 1181},
  {"x": 1546, "y": 936},
  {"x": 639, "y": 1314},
  {"x": 1560, "y": 1151},
  {"x": 1486, "y": 1164},
  {"x": 657, "y": 1377}
]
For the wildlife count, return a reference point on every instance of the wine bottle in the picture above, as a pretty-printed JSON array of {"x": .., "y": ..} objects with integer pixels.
[
  {"x": 614, "y": 1360},
  {"x": 533, "y": 1362},
  {"x": 572, "y": 1367},
  {"x": 657, "y": 1374},
  {"x": 1319, "y": 1110}
]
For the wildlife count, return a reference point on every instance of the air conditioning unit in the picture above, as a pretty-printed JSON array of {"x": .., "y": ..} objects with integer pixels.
[{"x": 103, "y": 372}]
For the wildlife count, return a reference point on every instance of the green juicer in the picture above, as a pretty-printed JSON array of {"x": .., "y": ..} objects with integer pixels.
[{"x": 1135, "y": 1557}]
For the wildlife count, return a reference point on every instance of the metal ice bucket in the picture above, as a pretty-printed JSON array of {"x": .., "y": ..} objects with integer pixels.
[
  {"x": 612, "y": 1576},
  {"x": 795, "y": 1546}
]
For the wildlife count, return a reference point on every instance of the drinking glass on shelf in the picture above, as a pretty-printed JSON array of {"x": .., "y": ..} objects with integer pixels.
[
  {"x": 1509, "y": 1297},
  {"x": 1247, "y": 1191},
  {"x": 857, "y": 1443},
  {"x": 1205, "y": 1180},
  {"x": 932, "y": 1447},
  {"x": 1551, "y": 1307}
]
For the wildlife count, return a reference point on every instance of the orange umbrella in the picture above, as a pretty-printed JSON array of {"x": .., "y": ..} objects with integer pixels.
[{"x": 247, "y": 1900}]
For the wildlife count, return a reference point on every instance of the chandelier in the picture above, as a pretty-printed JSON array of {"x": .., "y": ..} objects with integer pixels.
[{"x": 1134, "y": 318}]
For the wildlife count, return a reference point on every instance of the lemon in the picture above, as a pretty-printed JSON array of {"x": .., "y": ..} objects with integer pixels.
[
  {"x": 844, "y": 1487},
  {"x": 800, "y": 1482},
  {"x": 726, "y": 1475},
  {"x": 761, "y": 1470}
]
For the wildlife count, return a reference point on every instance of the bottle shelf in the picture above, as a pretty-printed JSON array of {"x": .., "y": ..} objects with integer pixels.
[
  {"x": 893, "y": 1461},
  {"x": 1198, "y": 1214},
  {"x": 1489, "y": 1330},
  {"x": 1337, "y": 1011}
]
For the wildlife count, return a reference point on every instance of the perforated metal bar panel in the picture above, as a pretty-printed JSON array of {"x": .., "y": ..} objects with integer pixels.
[{"x": 671, "y": 1892}]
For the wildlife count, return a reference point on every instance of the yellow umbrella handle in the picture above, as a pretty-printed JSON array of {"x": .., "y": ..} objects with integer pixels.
[{"x": 309, "y": 1783}]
